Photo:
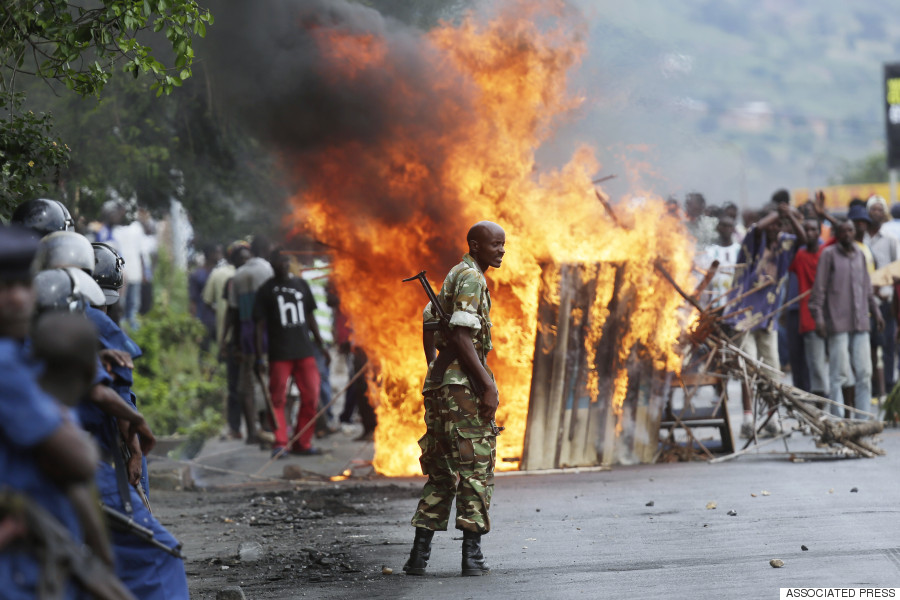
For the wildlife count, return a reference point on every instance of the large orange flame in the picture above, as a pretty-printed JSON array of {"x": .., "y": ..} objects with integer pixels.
[{"x": 400, "y": 201}]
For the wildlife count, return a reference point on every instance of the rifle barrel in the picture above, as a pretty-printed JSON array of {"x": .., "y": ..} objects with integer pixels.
[
  {"x": 431, "y": 295},
  {"x": 129, "y": 525}
]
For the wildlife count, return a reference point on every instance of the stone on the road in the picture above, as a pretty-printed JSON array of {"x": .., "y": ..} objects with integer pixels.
[
  {"x": 776, "y": 563},
  {"x": 250, "y": 551},
  {"x": 231, "y": 593},
  {"x": 173, "y": 479}
]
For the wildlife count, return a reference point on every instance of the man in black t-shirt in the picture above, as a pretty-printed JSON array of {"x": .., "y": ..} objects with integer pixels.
[{"x": 283, "y": 311}]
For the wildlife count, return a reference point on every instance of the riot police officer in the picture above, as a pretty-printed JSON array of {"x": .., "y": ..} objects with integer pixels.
[
  {"x": 43, "y": 216},
  {"x": 147, "y": 570},
  {"x": 43, "y": 453}
]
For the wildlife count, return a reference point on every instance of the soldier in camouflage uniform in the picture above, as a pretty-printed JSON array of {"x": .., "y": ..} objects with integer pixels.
[{"x": 459, "y": 446}]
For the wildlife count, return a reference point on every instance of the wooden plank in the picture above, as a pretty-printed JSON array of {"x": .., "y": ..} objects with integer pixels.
[
  {"x": 556, "y": 405},
  {"x": 535, "y": 430},
  {"x": 576, "y": 451}
]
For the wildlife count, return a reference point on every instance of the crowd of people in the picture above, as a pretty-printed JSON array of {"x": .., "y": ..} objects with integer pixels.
[
  {"x": 805, "y": 291},
  {"x": 262, "y": 318},
  {"x": 72, "y": 438}
]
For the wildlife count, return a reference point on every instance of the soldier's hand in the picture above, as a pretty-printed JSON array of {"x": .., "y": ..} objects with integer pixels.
[
  {"x": 135, "y": 468},
  {"x": 148, "y": 440},
  {"x": 115, "y": 358},
  {"x": 490, "y": 400}
]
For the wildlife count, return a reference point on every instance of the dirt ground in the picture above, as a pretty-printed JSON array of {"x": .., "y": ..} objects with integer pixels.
[{"x": 312, "y": 541}]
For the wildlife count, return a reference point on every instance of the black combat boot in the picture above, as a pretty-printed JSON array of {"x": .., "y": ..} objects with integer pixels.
[
  {"x": 421, "y": 552},
  {"x": 472, "y": 559}
]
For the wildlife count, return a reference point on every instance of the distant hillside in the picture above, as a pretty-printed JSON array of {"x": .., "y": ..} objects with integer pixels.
[{"x": 734, "y": 98}]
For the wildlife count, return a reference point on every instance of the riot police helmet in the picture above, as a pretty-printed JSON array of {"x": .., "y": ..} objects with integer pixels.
[
  {"x": 44, "y": 216},
  {"x": 109, "y": 270},
  {"x": 66, "y": 249},
  {"x": 70, "y": 222},
  {"x": 56, "y": 290}
]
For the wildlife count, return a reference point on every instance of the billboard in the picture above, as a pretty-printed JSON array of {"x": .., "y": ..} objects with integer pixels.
[{"x": 892, "y": 113}]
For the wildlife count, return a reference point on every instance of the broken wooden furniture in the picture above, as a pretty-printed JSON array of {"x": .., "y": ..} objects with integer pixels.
[{"x": 691, "y": 416}]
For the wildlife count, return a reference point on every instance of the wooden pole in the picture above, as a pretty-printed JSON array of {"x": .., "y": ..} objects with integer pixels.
[{"x": 312, "y": 421}]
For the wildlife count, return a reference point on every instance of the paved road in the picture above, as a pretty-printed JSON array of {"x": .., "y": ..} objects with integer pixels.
[{"x": 592, "y": 535}]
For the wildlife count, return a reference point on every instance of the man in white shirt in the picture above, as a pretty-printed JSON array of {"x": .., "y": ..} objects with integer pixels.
[
  {"x": 725, "y": 250},
  {"x": 892, "y": 227}
]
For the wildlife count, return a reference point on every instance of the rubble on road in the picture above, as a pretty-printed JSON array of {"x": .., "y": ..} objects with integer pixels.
[{"x": 273, "y": 540}]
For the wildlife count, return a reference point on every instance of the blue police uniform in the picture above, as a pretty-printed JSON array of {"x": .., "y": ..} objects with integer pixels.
[
  {"x": 28, "y": 416},
  {"x": 111, "y": 336},
  {"x": 148, "y": 572}
]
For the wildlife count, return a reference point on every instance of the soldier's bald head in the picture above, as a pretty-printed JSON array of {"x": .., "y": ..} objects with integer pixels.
[
  {"x": 482, "y": 230},
  {"x": 486, "y": 244}
]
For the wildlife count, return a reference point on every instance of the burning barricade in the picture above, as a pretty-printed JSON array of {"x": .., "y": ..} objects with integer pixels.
[{"x": 444, "y": 133}]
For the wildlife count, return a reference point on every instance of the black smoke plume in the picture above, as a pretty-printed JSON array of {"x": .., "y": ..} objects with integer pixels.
[{"x": 269, "y": 70}]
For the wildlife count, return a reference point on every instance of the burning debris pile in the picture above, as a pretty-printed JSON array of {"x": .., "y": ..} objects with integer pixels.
[{"x": 712, "y": 352}]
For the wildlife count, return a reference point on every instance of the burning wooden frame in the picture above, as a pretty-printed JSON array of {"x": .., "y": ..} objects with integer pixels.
[{"x": 574, "y": 420}]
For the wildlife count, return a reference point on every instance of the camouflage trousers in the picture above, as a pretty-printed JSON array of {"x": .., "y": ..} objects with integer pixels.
[{"x": 458, "y": 456}]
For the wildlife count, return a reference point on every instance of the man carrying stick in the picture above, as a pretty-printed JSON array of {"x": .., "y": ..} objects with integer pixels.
[
  {"x": 766, "y": 254},
  {"x": 459, "y": 446},
  {"x": 283, "y": 311}
]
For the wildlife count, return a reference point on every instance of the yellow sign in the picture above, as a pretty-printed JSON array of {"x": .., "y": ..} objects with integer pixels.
[
  {"x": 893, "y": 91},
  {"x": 838, "y": 197}
]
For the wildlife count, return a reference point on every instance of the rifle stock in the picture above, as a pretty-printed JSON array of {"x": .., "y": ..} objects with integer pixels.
[{"x": 60, "y": 556}]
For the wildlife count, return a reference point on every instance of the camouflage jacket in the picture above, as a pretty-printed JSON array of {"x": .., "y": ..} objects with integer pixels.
[{"x": 465, "y": 297}]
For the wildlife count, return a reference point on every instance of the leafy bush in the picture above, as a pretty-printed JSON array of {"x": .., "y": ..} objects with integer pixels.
[{"x": 180, "y": 388}]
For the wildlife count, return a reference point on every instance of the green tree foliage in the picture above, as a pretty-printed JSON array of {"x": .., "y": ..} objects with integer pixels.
[
  {"x": 80, "y": 47},
  {"x": 133, "y": 145},
  {"x": 871, "y": 169},
  {"x": 29, "y": 153}
]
